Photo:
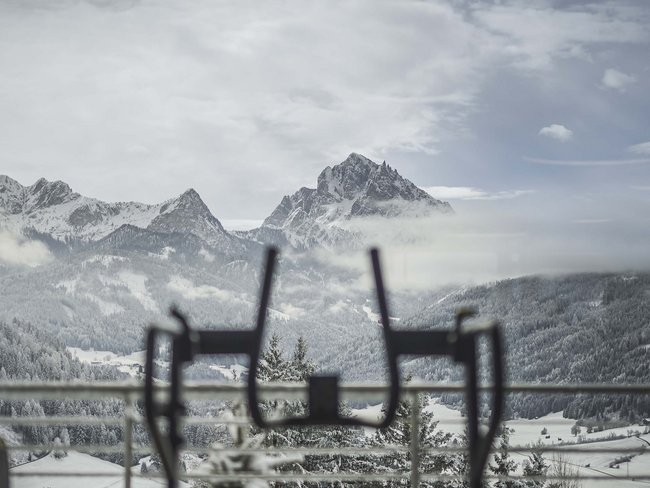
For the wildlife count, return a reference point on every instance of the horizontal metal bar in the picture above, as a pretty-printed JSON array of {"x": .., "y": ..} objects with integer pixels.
[
  {"x": 88, "y": 449},
  {"x": 325, "y": 451},
  {"x": 330, "y": 477},
  {"x": 62, "y": 421},
  {"x": 101, "y": 390}
]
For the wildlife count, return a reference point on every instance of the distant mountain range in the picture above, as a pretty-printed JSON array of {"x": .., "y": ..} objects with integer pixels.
[
  {"x": 121, "y": 265},
  {"x": 357, "y": 187}
]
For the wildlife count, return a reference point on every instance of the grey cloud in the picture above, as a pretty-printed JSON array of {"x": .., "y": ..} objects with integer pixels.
[
  {"x": 470, "y": 193},
  {"x": 479, "y": 246},
  {"x": 641, "y": 148},
  {"x": 617, "y": 80},
  {"x": 588, "y": 162},
  {"x": 17, "y": 250}
]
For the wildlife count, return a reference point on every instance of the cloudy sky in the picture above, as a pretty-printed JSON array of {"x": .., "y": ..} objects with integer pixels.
[{"x": 525, "y": 107}]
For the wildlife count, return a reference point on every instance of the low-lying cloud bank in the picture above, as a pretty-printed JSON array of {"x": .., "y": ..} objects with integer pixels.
[
  {"x": 17, "y": 250},
  {"x": 424, "y": 253}
]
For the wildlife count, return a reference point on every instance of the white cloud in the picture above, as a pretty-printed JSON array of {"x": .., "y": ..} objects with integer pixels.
[
  {"x": 592, "y": 221},
  {"x": 192, "y": 292},
  {"x": 17, "y": 250},
  {"x": 617, "y": 80},
  {"x": 241, "y": 224},
  {"x": 470, "y": 193},
  {"x": 588, "y": 162},
  {"x": 537, "y": 36},
  {"x": 556, "y": 131},
  {"x": 642, "y": 148}
]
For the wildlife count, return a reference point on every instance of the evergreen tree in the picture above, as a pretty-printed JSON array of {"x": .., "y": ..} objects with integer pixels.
[
  {"x": 272, "y": 366},
  {"x": 503, "y": 464},
  {"x": 535, "y": 466},
  {"x": 399, "y": 434},
  {"x": 301, "y": 368}
]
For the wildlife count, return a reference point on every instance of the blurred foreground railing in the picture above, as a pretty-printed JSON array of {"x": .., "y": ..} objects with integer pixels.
[{"x": 131, "y": 394}]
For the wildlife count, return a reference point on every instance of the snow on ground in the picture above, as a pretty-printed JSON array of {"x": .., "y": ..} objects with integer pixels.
[
  {"x": 28, "y": 475},
  {"x": 105, "y": 259},
  {"x": 449, "y": 420},
  {"x": 374, "y": 317},
  {"x": 277, "y": 315},
  {"x": 131, "y": 364},
  {"x": 597, "y": 464},
  {"x": 230, "y": 371},
  {"x": 527, "y": 432},
  {"x": 136, "y": 284},
  {"x": 70, "y": 286},
  {"x": 106, "y": 308}
]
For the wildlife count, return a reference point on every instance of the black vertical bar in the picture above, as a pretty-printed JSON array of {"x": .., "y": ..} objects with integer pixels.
[
  {"x": 254, "y": 355},
  {"x": 152, "y": 410},
  {"x": 471, "y": 399},
  {"x": 391, "y": 352},
  {"x": 4, "y": 465}
]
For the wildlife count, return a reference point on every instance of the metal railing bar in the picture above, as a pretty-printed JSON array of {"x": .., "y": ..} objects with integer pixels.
[
  {"x": 87, "y": 449},
  {"x": 324, "y": 451},
  {"x": 61, "y": 421},
  {"x": 101, "y": 390},
  {"x": 331, "y": 477},
  {"x": 351, "y": 451}
]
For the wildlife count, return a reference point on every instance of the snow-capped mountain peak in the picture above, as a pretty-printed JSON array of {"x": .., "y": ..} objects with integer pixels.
[
  {"x": 12, "y": 195},
  {"x": 52, "y": 208},
  {"x": 188, "y": 214},
  {"x": 45, "y": 193},
  {"x": 357, "y": 187}
]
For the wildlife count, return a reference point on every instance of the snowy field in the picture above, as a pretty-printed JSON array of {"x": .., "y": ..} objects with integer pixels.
[
  {"x": 131, "y": 364},
  {"x": 85, "y": 468},
  {"x": 525, "y": 433}
]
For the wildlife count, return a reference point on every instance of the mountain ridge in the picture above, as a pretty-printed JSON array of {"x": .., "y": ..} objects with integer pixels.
[
  {"x": 356, "y": 188},
  {"x": 53, "y": 209},
  {"x": 310, "y": 217}
]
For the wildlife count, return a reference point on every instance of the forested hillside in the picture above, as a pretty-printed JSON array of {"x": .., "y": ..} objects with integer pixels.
[
  {"x": 571, "y": 329},
  {"x": 29, "y": 354}
]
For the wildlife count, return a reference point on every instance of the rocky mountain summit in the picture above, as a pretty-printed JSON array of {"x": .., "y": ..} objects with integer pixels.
[
  {"x": 52, "y": 209},
  {"x": 355, "y": 188}
]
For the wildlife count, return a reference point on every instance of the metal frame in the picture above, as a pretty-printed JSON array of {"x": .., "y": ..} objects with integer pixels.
[
  {"x": 459, "y": 343},
  {"x": 132, "y": 392}
]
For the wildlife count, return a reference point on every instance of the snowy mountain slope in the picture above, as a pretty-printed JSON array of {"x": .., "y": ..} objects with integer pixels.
[
  {"x": 356, "y": 188},
  {"x": 53, "y": 209}
]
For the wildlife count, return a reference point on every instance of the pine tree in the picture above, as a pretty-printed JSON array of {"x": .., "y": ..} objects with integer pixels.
[
  {"x": 301, "y": 368},
  {"x": 399, "y": 434},
  {"x": 535, "y": 466},
  {"x": 503, "y": 465},
  {"x": 272, "y": 366}
]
